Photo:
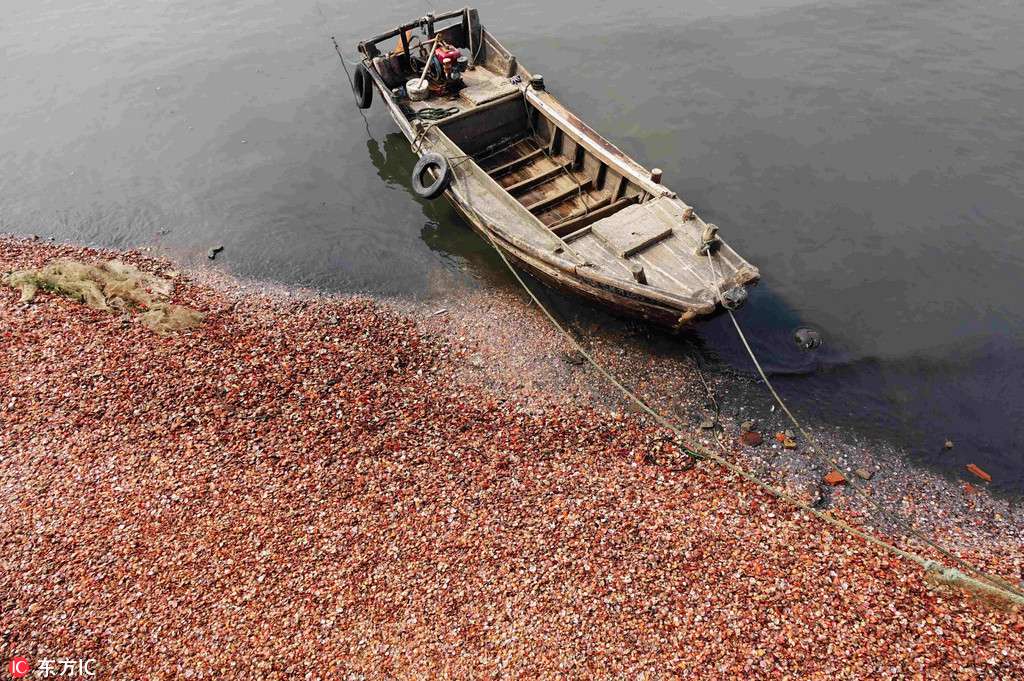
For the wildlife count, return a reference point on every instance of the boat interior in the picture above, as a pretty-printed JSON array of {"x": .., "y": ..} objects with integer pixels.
[
  {"x": 555, "y": 177},
  {"x": 606, "y": 218},
  {"x": 553, "y": 173},
  {"x": 550, "y": 174}
]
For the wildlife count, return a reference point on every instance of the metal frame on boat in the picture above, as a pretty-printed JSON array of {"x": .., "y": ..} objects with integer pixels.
[{"x": 548, "y": 190}]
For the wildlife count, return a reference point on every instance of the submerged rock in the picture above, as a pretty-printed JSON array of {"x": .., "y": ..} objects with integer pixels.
[
  {"x": 574, "y": 357},
  {"x": 807, "y": 339},
  {"x": 751, "y": 438},
  {"x": 812, "y": 495},
  {"x": 865, "y": 473}
]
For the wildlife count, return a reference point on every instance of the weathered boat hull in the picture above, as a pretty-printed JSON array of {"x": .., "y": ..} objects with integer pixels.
[
  {"x": 668, "y": 317},
  {"x": 557, "y": 198}
]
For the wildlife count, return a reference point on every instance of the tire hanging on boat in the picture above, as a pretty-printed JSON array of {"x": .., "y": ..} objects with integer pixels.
[
  {"x": 442, "y": 175},
  {"x": 362, "y": 85}
]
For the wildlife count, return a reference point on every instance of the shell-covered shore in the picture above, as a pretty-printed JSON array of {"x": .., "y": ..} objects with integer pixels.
[{"x": 314, "y": 487}]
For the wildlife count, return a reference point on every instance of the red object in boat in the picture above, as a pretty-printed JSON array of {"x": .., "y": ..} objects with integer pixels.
[{"x": 443, "y": 53}]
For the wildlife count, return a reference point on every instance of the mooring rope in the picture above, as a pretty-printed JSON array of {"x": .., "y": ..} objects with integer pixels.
[
  {"x": 854, "y": 483},
  {"x": 990, "y": 585}
]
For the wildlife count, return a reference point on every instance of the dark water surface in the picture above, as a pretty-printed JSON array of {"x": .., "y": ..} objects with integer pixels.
[{"x": 867, "y": 156}]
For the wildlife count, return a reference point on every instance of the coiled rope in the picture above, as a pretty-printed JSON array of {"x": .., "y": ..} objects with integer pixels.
[
  {"x": 430, "y": 113},
  {"x": 987, "y": 584}
]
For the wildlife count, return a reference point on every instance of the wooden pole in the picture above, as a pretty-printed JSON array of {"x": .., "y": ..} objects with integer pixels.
[{"x": 430, "y": 55}]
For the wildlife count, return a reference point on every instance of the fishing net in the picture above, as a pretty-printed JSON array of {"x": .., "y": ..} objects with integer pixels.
[{"x": 112, "y": 286}]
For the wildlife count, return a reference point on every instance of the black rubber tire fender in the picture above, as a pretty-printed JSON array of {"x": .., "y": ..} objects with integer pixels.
[
  {"x": 362, "y": 85},
  {"x": 442, "y": 175}
]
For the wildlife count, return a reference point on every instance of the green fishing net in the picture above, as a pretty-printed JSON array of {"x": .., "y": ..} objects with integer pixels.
[{"x": 112, "y": 286}]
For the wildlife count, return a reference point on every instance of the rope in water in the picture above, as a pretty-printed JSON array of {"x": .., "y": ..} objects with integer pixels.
[
  {"x": 344, "y": 65},
  {"x": 991, "y": 586},
  {"x": 854, "y": 483}
]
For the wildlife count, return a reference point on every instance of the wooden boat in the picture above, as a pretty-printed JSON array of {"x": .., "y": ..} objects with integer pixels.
[{"x": 555, "y": 196}]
